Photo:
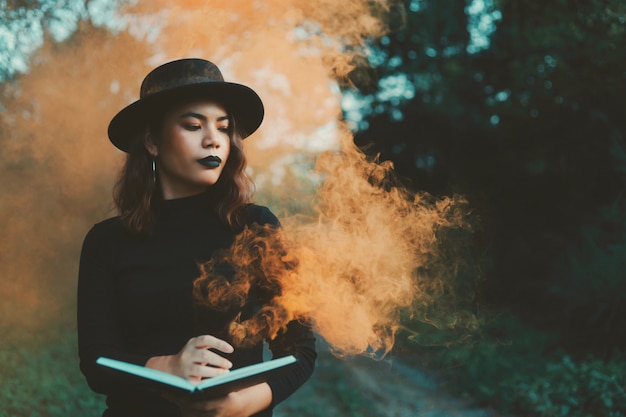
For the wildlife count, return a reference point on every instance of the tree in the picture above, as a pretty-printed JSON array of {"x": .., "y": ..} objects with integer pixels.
[
  {"x": 24, "y": 25},
  {"x": 531, "y": 128}
]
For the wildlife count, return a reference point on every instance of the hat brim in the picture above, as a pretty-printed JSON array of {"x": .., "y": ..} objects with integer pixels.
[{"x": 240, "y": 100}]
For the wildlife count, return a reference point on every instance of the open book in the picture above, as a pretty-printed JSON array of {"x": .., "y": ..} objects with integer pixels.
[{"x": 209, "y": 388}]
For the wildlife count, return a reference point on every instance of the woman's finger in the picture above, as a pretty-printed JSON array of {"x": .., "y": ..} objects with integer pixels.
[
  {"x": 203, "y": 372},
  {"x": 207, "y": 357},
  {"x": 211, "y": 342}
]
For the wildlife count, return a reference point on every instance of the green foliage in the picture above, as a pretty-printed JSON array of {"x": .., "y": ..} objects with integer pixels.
[
  {"x": 510, "y": 366},
  {"x": 589, "y": 388},
  {"x": 40, "y": 377},
  {"x": 593, "y": 286}
]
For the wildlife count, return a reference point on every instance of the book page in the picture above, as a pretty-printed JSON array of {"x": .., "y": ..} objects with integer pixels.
[
  {"x": 147, "y": 373},
  {"x": 246, "y": 371}
]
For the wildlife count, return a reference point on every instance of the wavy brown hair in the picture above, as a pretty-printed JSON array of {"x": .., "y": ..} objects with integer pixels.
[{"x": 138, "y": 189}]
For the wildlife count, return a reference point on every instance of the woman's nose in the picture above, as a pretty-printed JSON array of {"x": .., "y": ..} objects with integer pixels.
[{"x": 209, "y": 139}]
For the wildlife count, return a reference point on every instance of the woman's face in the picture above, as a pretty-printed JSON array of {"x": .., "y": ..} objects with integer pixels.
[{"x": 192, "y": 148}]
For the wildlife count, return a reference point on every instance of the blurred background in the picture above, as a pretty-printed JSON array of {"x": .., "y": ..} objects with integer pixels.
[{"x": 517, "y": 108}]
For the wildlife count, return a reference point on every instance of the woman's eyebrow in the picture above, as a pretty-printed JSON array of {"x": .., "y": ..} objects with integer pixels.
[{"x": 202, "y": 117}]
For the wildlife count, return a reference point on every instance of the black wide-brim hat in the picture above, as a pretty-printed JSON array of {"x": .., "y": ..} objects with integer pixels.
[{"x": 181, "y": 79}]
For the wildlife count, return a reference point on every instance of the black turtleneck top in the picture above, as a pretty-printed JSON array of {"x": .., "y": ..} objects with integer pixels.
[{"x": 135, "y": 301}]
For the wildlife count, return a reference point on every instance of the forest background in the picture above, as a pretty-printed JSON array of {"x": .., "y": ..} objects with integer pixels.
[{"x": 518, "y": 106}]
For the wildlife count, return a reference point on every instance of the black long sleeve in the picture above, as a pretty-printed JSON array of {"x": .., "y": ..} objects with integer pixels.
[{"x": 135, "y": 301}]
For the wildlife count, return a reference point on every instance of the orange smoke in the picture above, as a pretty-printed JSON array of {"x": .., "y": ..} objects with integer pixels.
[{"x": 351, "y": 269}]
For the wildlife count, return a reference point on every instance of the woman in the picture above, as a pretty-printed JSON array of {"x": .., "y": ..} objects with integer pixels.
[{"x": 183, "y": 195}]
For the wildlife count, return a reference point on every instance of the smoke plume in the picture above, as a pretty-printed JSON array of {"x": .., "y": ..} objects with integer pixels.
[{"x": 350, "y": 268}]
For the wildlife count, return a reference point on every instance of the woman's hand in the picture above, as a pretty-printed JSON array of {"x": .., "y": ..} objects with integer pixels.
[
  {"x": 195, "y": 361},
  {"x": 243, "y": 403}
]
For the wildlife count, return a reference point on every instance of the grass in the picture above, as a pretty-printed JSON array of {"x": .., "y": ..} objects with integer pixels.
[
  {"x": 40, "y": 376},
  {"x": 517, "y": 369}
]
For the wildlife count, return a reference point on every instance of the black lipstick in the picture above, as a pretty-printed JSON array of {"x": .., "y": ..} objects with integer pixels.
[{"x": 211, "y": 161}]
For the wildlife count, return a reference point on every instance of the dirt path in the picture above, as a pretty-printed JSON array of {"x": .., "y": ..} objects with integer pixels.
[{"x": 361, "y": 387}]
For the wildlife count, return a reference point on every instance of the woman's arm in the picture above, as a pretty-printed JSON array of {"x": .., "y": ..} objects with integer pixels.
[
  {"x": 242, "y": 403},
  {"x": 298, "y": 340},
  {"x": 99, "y": 330}
]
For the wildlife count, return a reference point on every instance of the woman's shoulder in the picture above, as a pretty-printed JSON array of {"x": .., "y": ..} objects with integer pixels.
[
  {"x": 260, "y": 215},
  {"x": 102, "y": 238},
  {"x": 110, "y": 224},
  {"x": 106, "y": 229}
]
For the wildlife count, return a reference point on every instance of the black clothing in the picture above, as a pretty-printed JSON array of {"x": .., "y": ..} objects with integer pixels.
[{"x": 135, "y": 302}]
